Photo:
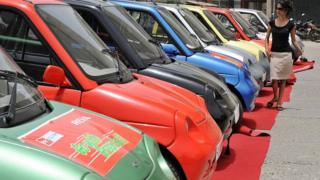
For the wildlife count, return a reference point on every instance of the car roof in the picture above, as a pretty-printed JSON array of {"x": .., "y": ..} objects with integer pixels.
[
  {"x": 245, "y": 10},
  {"x": 220, "y": 10},
  {"x": 29, "y": 3},
  {"x": 95, "y": 3},
  {"x": 138, "y": 3}
]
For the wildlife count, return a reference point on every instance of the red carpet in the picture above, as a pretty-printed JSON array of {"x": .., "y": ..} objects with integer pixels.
[
  {"x": 246, "y": 158},
  {"x": 249, "y": 147},
  {"x": 302, "y": 66},
  {"x": 262, "y": 117}
]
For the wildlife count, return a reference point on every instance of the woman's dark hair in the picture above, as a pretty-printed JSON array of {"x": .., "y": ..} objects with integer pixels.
[{"x": 286, "y": 5}]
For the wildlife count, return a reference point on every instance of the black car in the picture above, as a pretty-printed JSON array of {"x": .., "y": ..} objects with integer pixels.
[{"x": 143, "y": 55}]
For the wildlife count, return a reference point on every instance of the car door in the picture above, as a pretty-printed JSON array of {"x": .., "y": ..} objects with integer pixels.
[{"x": 30, "y": 51}]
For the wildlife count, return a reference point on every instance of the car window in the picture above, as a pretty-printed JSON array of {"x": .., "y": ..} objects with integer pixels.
[
  {"x": 204, "y": 34},
  {"x": 97, "y": 27},
  {"x": 151, "y": 26},
  {"x": 21, "y": 42},
  {"x": 203, "y": 21},
  {"x": 225, "y": 21},
  {"x": 264, "y": 17},
  {"x": 86, "y": 49},
  {"x": 251, "y": 18}
]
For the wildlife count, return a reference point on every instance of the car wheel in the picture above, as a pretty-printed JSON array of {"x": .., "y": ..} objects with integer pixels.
[
  {"x": 173, "y": 164},
  {"x": 175, "y": 170}
]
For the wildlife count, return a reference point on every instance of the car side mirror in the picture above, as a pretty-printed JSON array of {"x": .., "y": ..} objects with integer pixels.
[
  {"x": 170, "y": 49},
  {"x": 55, "y": 75}
]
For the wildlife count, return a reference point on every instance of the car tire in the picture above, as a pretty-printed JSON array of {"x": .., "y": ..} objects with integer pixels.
[
  {"x": 175, "y": 170},
  {"x": 173, "y": 164}
]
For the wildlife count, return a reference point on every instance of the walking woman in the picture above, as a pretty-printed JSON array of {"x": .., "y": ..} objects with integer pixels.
[{"x": 280, "y": 54}]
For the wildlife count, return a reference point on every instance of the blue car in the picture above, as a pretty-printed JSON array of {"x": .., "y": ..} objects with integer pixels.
[{"x": 177, "y": 42}]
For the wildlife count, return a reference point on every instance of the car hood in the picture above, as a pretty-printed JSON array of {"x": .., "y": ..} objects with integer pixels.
[
  {"x": 245, "y": 45},
  {"x": 225, "y": 51},
  {"x": 146, "y": 100},
  {"x": 260, "y": 43},
  {"x": 188, "y": 71},
  {"x": 76, "y": 141}
]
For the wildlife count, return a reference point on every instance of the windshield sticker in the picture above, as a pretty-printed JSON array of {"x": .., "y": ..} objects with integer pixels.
[
  {"x": 87, "y": 139},
  {"x": 49, "y": 138}
]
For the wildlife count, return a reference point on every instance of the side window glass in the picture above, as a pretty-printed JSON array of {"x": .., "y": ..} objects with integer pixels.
[
  {"x": 151, "y": 26},
  {"x": 20, "y": 41},
  {"x": 225, "y": 21},
  {"x": 246, "y": 16},
  {"x": 203, "y": 21},
  {"x": 97, "y": 27},
  {"x": 103, "y": 34},
  {"x": 253, "y": 20}
]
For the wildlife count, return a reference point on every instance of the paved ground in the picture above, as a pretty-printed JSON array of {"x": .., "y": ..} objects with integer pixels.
[{"x": 294, "y": 152}]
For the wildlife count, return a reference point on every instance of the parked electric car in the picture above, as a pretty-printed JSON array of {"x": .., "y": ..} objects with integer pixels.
[
  {"x": 140, "y": 53},
  {"x": 210, "y": 43},
  {"x": 234, "y": 22},
  {"x": 179, "y": 43},
  {"x": 227, "y": 37},
  {"x": 256, "y": 18},
  {"x": 55, "y": 46},
  {"x": 43, "y": 139}
]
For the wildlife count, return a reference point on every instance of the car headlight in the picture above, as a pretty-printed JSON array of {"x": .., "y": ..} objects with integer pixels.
[{"x": 227, "y": 59}]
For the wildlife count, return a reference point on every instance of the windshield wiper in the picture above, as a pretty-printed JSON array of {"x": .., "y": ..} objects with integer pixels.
[
  {"x": 115, "y": 56},
  {"x": 12, "y": 107}
]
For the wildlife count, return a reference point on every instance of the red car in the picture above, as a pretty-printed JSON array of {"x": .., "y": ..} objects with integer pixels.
[
  {"x": 233, "y": 22},
  {"x": 54, "y": 45}
]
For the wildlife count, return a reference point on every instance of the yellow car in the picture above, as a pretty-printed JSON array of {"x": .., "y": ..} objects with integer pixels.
[{"x": 224, "y": 35}]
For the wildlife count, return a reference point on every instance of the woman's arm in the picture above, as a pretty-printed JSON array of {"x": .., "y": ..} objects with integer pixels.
[
  {"x": 294, "y": 42},
  {"x": 267, "y": 41}
]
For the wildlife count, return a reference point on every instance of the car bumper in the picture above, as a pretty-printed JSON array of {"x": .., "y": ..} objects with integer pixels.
[
  {"x": 264, "y": 62},
  {"x": 249, "y": 90},
  {"x": 259, "y": 73},
  {"x": 197, "y": 152}
]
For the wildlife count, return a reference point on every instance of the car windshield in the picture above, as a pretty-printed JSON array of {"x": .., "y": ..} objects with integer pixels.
[
  {"x": 264, "y": 17},
  {"x": 138, "y": 39},
  {"x": 29, "y": 102},
  {"x": 244, "y": 24},
  {"x": 204, "y": 34},
  {"x": 84, "y": 46},
  {"x": 220, "y": 27},
  {"x": 189, "y": 39}
]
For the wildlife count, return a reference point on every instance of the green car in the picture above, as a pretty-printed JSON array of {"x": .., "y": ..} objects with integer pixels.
[{"x": 42, "y": 139}]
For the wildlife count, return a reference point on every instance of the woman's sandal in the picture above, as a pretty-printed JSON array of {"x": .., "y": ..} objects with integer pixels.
[
  {"x": 279, "y": 107},
  {"x": 270, "y": 103}
]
